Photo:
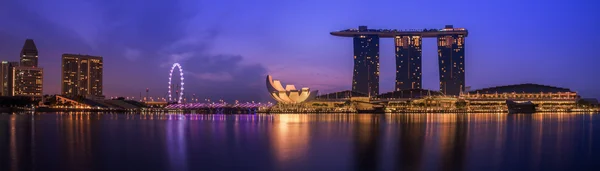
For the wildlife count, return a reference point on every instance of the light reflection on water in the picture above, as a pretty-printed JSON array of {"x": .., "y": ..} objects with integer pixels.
[{"x": 88, "y": 141}]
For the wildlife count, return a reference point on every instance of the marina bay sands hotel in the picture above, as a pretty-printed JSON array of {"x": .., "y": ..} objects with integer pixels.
[{"x": 451, "y": 58}]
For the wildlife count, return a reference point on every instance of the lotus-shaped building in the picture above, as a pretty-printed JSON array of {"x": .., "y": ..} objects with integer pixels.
[{"x": 289, "y": 94}]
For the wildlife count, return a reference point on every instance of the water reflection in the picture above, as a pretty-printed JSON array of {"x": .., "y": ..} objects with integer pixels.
[
  {"x": 411, "y": 141},
  {"x": 176, "y": 143},
  {"x": 14, "y": 158},
  {"x": 74, "y": 139},
  {"x": 453, "y": 144},
  {"x": 92, "y": 141},
  {"x": 367, "y": 136},
  {"x": 290, "y": 136},
  {"x": 20, "y": 131}
]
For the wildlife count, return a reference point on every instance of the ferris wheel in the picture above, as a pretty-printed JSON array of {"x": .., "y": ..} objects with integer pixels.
[{"x": 179, "y": 90}]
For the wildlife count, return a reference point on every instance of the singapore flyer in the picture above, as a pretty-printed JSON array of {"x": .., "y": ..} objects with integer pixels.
[{"x": 181, "y": 85}]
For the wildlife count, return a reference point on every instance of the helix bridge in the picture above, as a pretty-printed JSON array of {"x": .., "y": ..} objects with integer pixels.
[
  {"x": 175, "y": 95},
  {"x": 219, "y": 108}
]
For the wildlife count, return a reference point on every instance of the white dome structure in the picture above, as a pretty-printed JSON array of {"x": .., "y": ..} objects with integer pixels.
[{"x": 289, "y": 94}]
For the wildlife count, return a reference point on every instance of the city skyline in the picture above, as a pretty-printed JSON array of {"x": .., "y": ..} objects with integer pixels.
[
  {"x": 25, "y": 77},
  {"x": 502, "y": 50}
]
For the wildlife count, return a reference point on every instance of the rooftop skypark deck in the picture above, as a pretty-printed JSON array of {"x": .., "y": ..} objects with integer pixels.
[{"x": 363, "y": 30}]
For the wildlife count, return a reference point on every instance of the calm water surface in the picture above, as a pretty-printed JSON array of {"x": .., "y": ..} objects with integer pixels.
[{"x": 300, "y": 142}]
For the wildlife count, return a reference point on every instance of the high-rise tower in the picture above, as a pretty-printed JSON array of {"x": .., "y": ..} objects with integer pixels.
[
  {"x": 408, "y": 62},
  {"x": 6, "y": 77},
  {"x": 451, "y": 58},
  {"x": 81, "y": 75},
  {"x": 27, "y": 78},
  {"x": 29, "y": 54},
  {"x": 366, "y": 63}
]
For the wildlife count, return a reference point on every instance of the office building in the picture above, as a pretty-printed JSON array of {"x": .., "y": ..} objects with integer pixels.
[
  {"x": 29, "y": 54},
  {"x": 27, "y": 77},
  {"x": 27, "y": 81},
  {"x": 451, "y": 55},
  {"x": 23, "y": 78},
  {"x": 408, "y": 62},
  {"x": 6, "y": 77},
  {"x": 81, "y": 75},
  {"x": 366, "y": 63}
]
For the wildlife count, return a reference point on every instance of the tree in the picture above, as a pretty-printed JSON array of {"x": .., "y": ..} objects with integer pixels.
[
  {"x": 16, "y": 101},
  {"x": 583, "y": 103}
]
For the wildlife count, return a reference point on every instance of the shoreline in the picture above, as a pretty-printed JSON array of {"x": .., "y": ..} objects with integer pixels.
[
  {"x": 234, "y": 112},
  {"x": 291, "y": 112}
]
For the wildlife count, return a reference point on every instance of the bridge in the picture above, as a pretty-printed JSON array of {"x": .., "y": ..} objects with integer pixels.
[{"x": 219, "y": 108}]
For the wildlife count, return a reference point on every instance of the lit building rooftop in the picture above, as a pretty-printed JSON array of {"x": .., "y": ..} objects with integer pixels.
[
  {"x": 363, "y": 30},
  {"x": 522, "y": 88}
]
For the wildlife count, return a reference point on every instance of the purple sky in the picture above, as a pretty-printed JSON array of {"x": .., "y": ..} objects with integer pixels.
[{"x": 228, "y": 46}]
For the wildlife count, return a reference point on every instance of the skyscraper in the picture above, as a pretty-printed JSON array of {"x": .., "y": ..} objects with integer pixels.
[
  {"x": 408, "y": 62},
  {"x": 366, "y": 63},
  {"x": 27, "y": 81},
  {"x": 6, "y": 77},
  {"x": 451, "y": 53},
  {"x": 81, "y": 75},
  {"x": 451, "y": 42},
  {"x": 27, "y": 77},
  {"x": 29, "y": 54}
]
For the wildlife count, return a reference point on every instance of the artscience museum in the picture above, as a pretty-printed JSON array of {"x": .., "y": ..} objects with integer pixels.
[{"x": 289, "y": 94}]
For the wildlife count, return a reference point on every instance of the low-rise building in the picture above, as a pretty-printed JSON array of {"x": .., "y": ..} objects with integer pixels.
[
  {"x": 493, "y": 99},
  {"x": 547, "y": 98}
]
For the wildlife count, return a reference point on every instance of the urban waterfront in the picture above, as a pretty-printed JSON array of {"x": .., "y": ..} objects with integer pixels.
[{"x": 94, "y": 141}]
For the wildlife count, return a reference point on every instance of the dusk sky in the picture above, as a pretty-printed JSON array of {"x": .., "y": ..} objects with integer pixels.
[{"x": 227, "y": 47}]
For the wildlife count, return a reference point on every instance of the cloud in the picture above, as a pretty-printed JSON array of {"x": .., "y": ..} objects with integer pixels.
[
  {"x": 132, "y": 54},
  {"x": 217, "y": 77},
  {"x": 135, "y": 37},
  {"x": 224, "y": 77},
  {"x": 177, "y": 58},
  {"x": 20, "y": 22},
  {"x": 140, "y": 24}
]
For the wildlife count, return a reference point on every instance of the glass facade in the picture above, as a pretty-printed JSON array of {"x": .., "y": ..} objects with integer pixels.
[
  {"x": 451, "y": 58},
  {"x": 81, "y": 75},
  {"x": 408, "y": 62},
  {"x": 366, "y": 64}
]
